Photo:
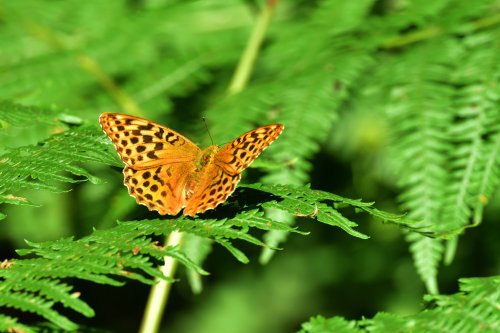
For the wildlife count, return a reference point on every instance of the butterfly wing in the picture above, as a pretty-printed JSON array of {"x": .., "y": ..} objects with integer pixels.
[
  {"x": 158, "y": 160},
  {"x": 221, "y": 177},
  {"x": 144, "y": 144},
  {"x": 241, "y": 152},
  {"x": 215, "y": 187},
  {"x": 157, "y": 188}
]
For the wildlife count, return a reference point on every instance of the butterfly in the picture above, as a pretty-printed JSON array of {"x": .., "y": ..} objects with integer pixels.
[{"x": 166, "y": 172}]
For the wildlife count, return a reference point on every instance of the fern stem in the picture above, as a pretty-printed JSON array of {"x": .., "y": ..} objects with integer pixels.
[
  {"x": 245, "y": 65},
  {"x": 485, "y": 22},
  {"x": 433, "y": 31},
  {"x": 412, "y": 37},
  {"x": 450, "y": 250},
  {"x": 122, "y": 99},
  {"x": 160, "y": 291}
]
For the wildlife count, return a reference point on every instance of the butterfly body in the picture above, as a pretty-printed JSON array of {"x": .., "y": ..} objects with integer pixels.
[{"x": 166, "y": 172}]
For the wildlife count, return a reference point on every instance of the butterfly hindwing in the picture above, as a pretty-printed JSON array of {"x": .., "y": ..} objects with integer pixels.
[
  {"x": 160, "y": 188},
  {"x": 216, "y": 187}
]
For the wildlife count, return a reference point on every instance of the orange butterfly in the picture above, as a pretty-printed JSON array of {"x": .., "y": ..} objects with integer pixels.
[{"x": 166, "y": 172}]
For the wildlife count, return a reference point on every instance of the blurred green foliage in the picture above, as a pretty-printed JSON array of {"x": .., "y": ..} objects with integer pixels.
[{"x": 387, "y": 100}]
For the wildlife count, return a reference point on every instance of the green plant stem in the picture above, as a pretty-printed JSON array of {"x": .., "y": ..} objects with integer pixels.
[
  {"x": 245, "y": 65},
  {"x": 433, "y": 31},
  {"x": 160, "y": 291},
  {"x": 125, "y": 102},
  {"x": 450, "y": 250},
  {"x": 412, "y": 37}
]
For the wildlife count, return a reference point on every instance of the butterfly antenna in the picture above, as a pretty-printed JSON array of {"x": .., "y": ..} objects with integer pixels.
[{"x": 208, "y": 131}]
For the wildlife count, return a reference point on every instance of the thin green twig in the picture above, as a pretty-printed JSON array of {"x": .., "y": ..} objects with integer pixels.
[
  {"x": 246, "y": 64},
  {"x": 434, "y": 31},
  {"x": 160, "y": 291}
]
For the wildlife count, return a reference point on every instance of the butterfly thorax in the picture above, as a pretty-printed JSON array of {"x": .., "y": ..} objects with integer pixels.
[{"x": 206, "y": 157}]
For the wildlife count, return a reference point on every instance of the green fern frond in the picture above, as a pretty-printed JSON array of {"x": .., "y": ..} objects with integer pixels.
[
  {"x": 403, "y": 15},
  {"x": 27, "y": 302},
  {"x": 249, "y": 109},
  {"x": 432, "y": 69},
  {"x": 445, "y": 118},
  {"x": 63, "y": 50},
  {"x": 474, "y": 158},
  {"x": 221, "y": 230},
  {"x": 473, "y": 310},
  {"x": 13, "y": 114},
  {"x": 320, "y": 324},
  {"x": 55, "y": 159},
  {"x": 106, "y": 257},
  {"x": 322, "y": 206},
  {"x": 313, "y": 89},
  {"x": 126, "y": 251},
  {"x": 421, "y": 113},
  {"x": 303, "y": 97},
  {"x": 123, "y": 251},
  {"x": 7, "y": 324},
  {"x": 427, "y": 254}
]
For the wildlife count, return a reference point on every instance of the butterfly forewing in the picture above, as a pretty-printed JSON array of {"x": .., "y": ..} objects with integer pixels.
[
  {"x": 241, "y": 152},
  {"x": 143, "y": 144}
]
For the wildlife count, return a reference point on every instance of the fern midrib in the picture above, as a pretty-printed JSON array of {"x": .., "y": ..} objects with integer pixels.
[
  {"x": 466, "y": 190},
  {"x": 430, "y": 213},
  {"x": 466, "y": 179},
  {"x": 493, "y": 158},
  {"x": 491, "y": 161}
]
